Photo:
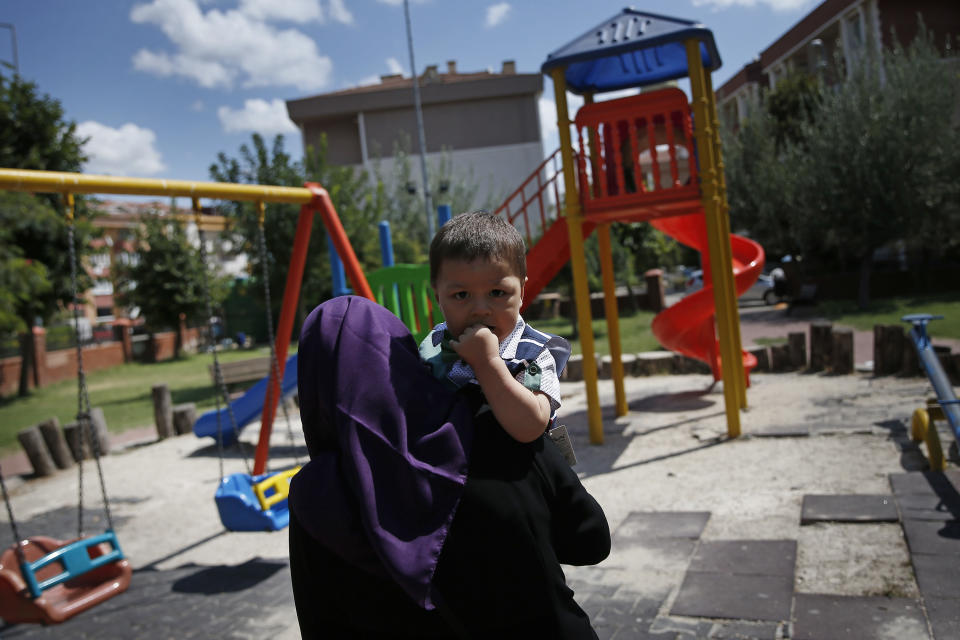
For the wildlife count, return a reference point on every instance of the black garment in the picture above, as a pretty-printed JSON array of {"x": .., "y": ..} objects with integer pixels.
[
  {"x": 412, "y": 499},
  {"x": 522, "y": 513}
]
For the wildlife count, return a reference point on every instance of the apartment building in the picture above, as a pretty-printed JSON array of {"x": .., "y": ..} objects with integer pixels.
[
  {"x": 485, "y": 123},
  {"x": 835, "y": 28}
]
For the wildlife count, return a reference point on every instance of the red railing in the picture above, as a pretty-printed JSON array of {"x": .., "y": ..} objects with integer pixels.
[
  {"x": 530, "y": 195},
  {"x": 636, "y": 151}
]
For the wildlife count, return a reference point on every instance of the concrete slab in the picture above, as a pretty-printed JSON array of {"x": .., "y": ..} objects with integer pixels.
[
  {"x": 249, "y": 600},
  {"x": 740, "y": 630},
  {"x": 848, "y": 508},
  {"x": 857, "y": 618},
  {"x": 944, "y": 484},
  {"x": 724, "y": 595},
  {"x": 746, "y": 557},
  {"x": 936, "y": 576},
  {"x": 932, "y": 537},
  {"x": 641, "y": 526},
  {"x": 924, "y": 506},
  {"x": 944, "y": 615}
]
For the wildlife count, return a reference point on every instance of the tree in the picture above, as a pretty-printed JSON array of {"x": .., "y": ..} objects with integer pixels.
[
  {"x": 349, "y": 191},
  {"x": 165, "y": 277},
  {"x": 34, "y": 243},
  {"x": 883, "y": 154},
  {"x": 873, "y": 160},
  {"x": 34, "y": 265}
]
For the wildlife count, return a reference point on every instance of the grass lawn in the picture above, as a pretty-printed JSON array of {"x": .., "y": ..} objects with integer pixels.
[
  {"x": 124, "y": 394},
  {"x": 635, "y": 335},
  {"x": 890, "y": 310}
]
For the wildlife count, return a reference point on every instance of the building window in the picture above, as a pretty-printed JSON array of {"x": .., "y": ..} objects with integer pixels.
[{"x": 103, "y": 288}]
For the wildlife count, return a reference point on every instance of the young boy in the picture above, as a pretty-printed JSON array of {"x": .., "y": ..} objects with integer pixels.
[{"x": 478, "y": 270}]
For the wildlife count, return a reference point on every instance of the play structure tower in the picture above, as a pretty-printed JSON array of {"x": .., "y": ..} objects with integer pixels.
[{"x": 650, "y": 157}]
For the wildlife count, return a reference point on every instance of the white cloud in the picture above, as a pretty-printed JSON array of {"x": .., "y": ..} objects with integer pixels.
[
  {"x": 394, "y": 65},
  {"x": 268, "y": 118},
  {"x": 217, "y": 48},
  {"x": 776, "y": 5},
  {"x": 124, "y": 151},
  {"x": 497, "y": 13},
  {"x": 339, "y": 12},
  {"x": 292, "y": 10}
]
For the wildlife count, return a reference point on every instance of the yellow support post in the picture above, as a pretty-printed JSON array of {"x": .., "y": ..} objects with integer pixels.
[
  {"x": 581, "y": 289},
  {"x": 63, "y": 182},
  {"x": 734, "y": 311},
  {"x": 711, "y": 209},
  {"x": 609, "y": 291},
  {"x": 923, "y": 428},
  {"x": 613, "y": 319}
]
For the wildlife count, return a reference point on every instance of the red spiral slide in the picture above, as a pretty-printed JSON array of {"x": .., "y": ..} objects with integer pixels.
[{"x": 688, "y": 326}]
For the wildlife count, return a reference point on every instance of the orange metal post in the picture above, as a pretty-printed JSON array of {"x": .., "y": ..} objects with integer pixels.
[
  {"x": 340, "y": 242},
  {"x": 291, "y": 295}
]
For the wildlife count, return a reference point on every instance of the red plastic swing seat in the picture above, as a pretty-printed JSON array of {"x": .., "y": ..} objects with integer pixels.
[{"x": 64, "y": 600}]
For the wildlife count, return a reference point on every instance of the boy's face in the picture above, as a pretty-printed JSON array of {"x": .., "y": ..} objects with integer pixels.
[{"x": 485, "y": 292}]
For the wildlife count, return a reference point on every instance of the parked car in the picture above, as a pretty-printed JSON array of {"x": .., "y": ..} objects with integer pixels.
[{"x": 762, "y": 289}]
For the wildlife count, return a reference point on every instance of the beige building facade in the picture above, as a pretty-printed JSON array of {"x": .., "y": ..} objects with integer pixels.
[{"x": 484, "y": 125}]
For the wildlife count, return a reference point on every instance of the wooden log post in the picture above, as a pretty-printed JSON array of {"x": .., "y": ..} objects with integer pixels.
[
  {"x": 79, "y": 448},
  {"x": 798, "y": 349},
  {"x": 762, "y": 354},
  {"x": 184, "y": 415},
  {"x": 36, "y": 449},
  {"x": 888, "y": 344},
  {"x": 163, "y": 411},
  {"x": 98, "y": 422},
  {"x": 656, "y": 298},
  {"x": 910, "y": 363},
  {"x": 56, "y": 443},
  {"x": 821, "y": 344},
  {"x": 780, "y": 358},
  {"x": 841, "y": 353}
]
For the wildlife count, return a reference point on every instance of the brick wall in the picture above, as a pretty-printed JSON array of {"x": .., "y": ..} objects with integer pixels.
[{"x": 61, "y": 365}]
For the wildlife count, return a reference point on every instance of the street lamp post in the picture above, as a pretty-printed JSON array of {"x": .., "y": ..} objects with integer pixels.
[
  {"x": 420, "y": 133},
  {"x": 13, "y": 44}
]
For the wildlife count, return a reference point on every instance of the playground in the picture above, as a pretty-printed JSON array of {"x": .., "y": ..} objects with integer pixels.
[
  {"x": 812, "y": 511},
  {"x": 674, "y": 489}
]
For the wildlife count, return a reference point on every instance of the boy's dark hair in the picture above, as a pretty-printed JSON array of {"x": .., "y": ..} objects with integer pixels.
[{"x": 478, "y": 235}]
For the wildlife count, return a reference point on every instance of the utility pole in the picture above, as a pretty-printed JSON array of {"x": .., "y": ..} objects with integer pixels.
[
  {"x": 420, "y": 134},
  {"x": 13, "y": 44}
]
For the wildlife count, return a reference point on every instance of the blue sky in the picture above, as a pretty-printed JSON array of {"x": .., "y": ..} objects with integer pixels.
[{"x": 161, "y": 86}]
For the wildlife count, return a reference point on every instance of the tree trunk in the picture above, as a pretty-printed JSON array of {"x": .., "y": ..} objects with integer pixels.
[
  {"x": 863, "y": 292},
  {"x": 177, "y": 343},
  {"x": 26, "y": 362}
]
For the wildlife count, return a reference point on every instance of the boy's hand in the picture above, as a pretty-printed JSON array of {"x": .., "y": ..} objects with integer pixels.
[{"x": 477, "y": 345}]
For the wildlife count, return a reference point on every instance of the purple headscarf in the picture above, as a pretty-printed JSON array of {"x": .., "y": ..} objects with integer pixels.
[{"x": 388, "y": 444}]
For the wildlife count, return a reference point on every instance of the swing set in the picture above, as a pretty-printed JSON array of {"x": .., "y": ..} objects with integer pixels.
[{"x": 46, "y": 580}]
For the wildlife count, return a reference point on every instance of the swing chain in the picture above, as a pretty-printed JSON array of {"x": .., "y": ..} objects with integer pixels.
[
  {"x": 84, "y": 422},
  {"x": 271, "y": 337},
  {"x": 13, "y": 523},
  {"x": 219, "y": 383}
]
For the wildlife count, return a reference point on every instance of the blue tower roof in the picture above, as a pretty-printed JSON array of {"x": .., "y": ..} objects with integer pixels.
[{"x": 631, "y": 49}]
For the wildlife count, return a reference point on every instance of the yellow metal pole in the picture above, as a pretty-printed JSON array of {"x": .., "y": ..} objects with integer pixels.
[
  {"x": 609, "y": 291},
  {"x": 734, "y": 310},
  {"x": 613, "y": 319},
  {"x": 711, "y": 209},
  {"x": 62, "y": 182},
  {"x": 581, "y": 289}
]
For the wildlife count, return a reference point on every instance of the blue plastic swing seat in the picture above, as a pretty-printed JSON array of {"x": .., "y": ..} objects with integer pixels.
[
  {"x": 75, "y": 559},
  {"x": 240, "y": 509}
]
